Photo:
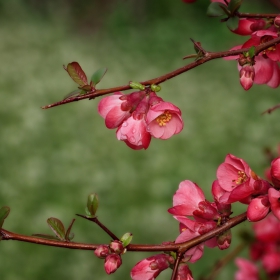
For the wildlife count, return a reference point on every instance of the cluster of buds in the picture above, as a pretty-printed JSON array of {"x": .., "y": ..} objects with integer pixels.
[
  {"x": 111, "y": 254},
  {"x": 140, "y": 115}
]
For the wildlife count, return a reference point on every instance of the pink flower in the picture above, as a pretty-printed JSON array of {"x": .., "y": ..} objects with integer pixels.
[
  {"x": 258, "y": 208},
  {"x": 271, "y": 263},
  {"x": 248, "y": 26},
  {"x": 186, "y": 199},
  {"x": 247, "y": 270},
  {"x": 112, "y": 263},
  {"x": 150, "y": 268},
  {"x": 113, "y": 110},
  {"x": 275, "y": 172},
  {"x": 274, "y": 199},
  {"x": 133, "y": 132},
  {"x": 183, "y": 272},
  {"x": 247, "y": 76},
  {"x": 164, "y": 120},
  {"x": 102, "y": 251}
]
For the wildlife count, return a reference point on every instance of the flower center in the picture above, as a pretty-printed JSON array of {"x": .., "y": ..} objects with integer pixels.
[
  {"x": 164, "y": 118},
  {"x": 242, "y": 177}
]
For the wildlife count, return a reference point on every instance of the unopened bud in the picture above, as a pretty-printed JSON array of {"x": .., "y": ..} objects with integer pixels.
[
  {"x": 102, "y": 251},
  {"x": 247, "y": 76}
]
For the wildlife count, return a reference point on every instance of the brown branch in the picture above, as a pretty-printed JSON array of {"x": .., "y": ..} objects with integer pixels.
[
  {"x": 95, "y": 220},
  {"x": 207, "y": 57},
  {"x": 178, "y": 247}
]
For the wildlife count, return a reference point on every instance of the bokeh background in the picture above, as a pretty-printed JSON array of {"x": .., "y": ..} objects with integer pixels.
[{"x": 50, "y": 160}]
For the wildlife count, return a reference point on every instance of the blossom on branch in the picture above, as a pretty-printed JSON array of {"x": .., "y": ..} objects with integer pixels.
[
  {"x": 150, "y": 268},
  {"x": 139, "y": 116}
]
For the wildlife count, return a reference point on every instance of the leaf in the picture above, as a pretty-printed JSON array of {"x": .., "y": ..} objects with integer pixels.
[
  {"x": 126, "y": 239},
  {"x": 69, "y": 236},
  {"x": 232, "y": 22},
  {"x": 92, "y": 204},
  {"x": 57, "y": 227},
  {"x": 217, "y": 9},
  {"x": 98, "y": 75},
  {"x": 252, "y": 51},
  {"x": 76, "y": 73},
  {"x": 4, "y": 212},
  {"x": 234, "y": 5}
]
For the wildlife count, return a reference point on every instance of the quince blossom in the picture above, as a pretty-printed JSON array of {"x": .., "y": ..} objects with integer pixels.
[{"x": 139, "y": 116}]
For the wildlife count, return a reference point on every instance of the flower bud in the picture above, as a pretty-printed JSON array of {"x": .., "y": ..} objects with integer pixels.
[
  {"x": 247, "y": 76},
  {"x": 102, "y": 251},
  {"x": 112, "y": 263},
  {"x": 116, "y": 247}
]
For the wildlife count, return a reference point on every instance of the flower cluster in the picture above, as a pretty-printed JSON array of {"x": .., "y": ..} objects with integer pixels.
[
  {"x": 236, "y": 182},
  {"x": 140, "y": 115},
  {"x": 111, "y": 254},
  {"x": 264, "y": 249}
]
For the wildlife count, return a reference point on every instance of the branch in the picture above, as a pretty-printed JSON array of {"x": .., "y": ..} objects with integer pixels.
[
  {"x": 207, "y": 57},
  {"x": 178, "y": 247}
]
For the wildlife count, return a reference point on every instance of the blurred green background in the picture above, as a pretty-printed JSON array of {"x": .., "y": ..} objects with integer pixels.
[{"x": 50, "y": 160}]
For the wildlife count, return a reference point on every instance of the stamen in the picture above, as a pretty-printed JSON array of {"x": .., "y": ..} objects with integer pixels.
[{"x": 164, "y": 118}]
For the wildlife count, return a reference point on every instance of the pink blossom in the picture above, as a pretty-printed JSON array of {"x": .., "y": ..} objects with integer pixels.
[
  {"x": 112, "y": 263},
  {"x": 275, "y": 172},
  {"x": 247, "y": 270},
  {"x": 102, "y": 251},
  {"x": 186, "y": 199},
  {"x": 258, "y": 208},
  {"x": 247, "y": 26},
  {"x": 150, "y": 268},
  {"x": 271, "y": 263},
  {"x": 183, "y": 272},
  {"x": 134, "y": 133},
  {"x": 274, "y": 199},
  {"x": 247, "y": 76},
  {"x": 111, "y": 108},
  {"x": 164, "y": 120}
]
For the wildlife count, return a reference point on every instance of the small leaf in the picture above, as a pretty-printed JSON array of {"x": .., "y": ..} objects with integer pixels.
[
  {"x": 47, "y": 236},
  {"x": 252, "y": 51},
  {"x": 69, "y": 236},
  {"x": 126, "y": 239},
  {"x": 76, "y": 73},
  {"x": 155, "y": 88},
  {"x": 4, "y": 212},
  {"x": 234, "y": 5},
  {"x": 57, "y": 227},
  {"x": 217, "y": 9},
  {"x": 136, "y": 85},
  {"x": 98, "y": 75},
  {"x": 232, "y": 22},
  {"x": 92, "y": 204}
]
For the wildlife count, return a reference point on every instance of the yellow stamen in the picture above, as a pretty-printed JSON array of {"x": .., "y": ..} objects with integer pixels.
[
  {"x": 242, "y": 177},
  {"x": 164, "y": 118}
]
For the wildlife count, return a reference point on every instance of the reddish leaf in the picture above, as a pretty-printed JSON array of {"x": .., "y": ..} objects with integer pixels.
[
  {"x": 57, "y": 227},
  {"x": 76, "y": 73}
]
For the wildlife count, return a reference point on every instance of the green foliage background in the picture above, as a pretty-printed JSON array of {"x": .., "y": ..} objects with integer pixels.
[{"x": 50, "y": 160}]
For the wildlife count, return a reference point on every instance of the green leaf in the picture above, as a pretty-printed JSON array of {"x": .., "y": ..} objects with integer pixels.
[
  {"x": 76, "y": 73},
  {"x": 234, "y": 5},
  {"x": 4, "y": 212},
  {"x": 252, "y": 51},
  {"x": 232, "y": 22},
  {"x": 57, "y": 227},
  {"x": 92, "y": 204},
  {"x": 98, "y": 75},
  {"x": 69, "y": 236},
  {"x": 136, "y": 85},
  {"x": 217, "y": 9},
  {"x": 126, "y": 239}
]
